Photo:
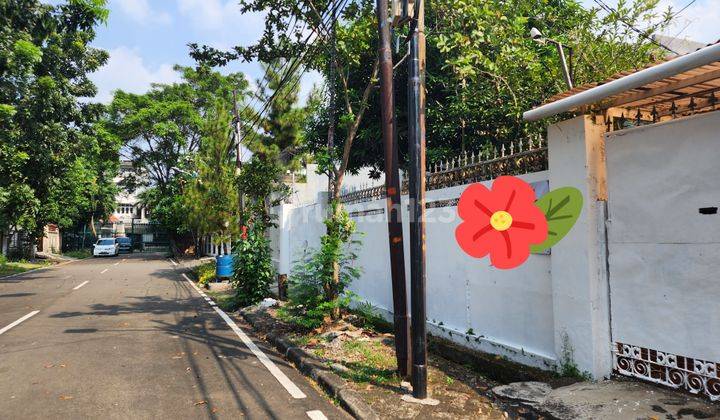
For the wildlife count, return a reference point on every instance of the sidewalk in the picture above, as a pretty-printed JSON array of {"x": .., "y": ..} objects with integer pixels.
[{"x": 618, "y": 398}]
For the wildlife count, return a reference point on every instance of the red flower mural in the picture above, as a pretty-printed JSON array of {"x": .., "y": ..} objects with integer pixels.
[{"x": 502, "y": 222}]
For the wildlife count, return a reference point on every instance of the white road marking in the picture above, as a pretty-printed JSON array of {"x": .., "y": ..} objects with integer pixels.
[
  {"x": 289, "y": 386},
  {"x": 81, "y": 284},
  {"x": 316, "y": 415},
  {"x": 117, "y": 263},
  {"x": 173, "y": 261},
  {"x": 103, "y": 272},
  {"x": 30, "y": 315}
]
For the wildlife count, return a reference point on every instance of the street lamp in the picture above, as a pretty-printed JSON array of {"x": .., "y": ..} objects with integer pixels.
[{"x": 538, "y": 37}]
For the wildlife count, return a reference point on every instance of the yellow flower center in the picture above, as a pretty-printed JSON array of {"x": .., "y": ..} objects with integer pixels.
[{"x": 501, "y": 220}]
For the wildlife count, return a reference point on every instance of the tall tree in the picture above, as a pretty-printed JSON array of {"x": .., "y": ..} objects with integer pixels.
[
  {"x": 210, "y": 192},
  {"x": 52, "y": 156},
  {"x": 162, "y": 130},
  {"x": 299, "y": 34},
  {"x": 281, "y": 138},
  {"x": 302, "y": 34},
  {"x": 484, "y": 70}
]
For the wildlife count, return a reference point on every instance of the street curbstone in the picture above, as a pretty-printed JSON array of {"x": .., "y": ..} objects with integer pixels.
[
  {"x": 309, "y": 365},
  {"x": 355, "y": 405}
]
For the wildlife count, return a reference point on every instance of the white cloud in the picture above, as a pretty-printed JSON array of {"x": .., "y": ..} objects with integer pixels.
[
  {"x": 218, "y": 16},
  {"x": 141, "y": 12},
  {"x": 126, "y": 70}
]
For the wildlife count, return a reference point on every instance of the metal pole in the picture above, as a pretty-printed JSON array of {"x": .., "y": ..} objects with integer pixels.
[
  {"x": 563, "y": 63},
  {"x": 416, "y": 140},
  {"x": 392, "y": 187}
]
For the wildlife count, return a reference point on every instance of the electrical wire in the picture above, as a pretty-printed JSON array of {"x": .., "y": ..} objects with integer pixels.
[
  {"x": 610, "y": 10},
  {"x": 292, "y": 68}
]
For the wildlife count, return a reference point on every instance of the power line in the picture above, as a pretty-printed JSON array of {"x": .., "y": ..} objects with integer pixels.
[
  {"x": 671, "y": 17},
  {"x": 610, "y": 10},
  {"x": 322, "y": 23},
  {"x": 292, "y": 67}
]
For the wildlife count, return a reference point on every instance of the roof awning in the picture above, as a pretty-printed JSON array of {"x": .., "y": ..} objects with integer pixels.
[{"x": 691, "y": 80}]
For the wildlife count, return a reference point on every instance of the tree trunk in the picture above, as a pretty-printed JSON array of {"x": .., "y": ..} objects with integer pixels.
[
  {"x": 332, "y": 290},
  {"x": 92, "y": 226}
]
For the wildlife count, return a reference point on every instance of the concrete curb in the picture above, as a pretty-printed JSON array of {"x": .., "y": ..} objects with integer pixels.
[
  {"x": 40, "y": 269},
  {"x": 311, "y": 366}
]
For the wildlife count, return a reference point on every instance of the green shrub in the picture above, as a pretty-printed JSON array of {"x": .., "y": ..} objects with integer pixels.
[
  {"x": 253, "y": 271},
  {"x": 3, "y": 259},
  {"x": 205, "y": 273},
  {"x": 310, "y": 279}
]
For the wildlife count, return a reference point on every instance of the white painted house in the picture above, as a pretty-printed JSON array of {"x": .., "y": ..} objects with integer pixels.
[
  {"x": 128, "y": 208},
  {"x": 632, "y": 289}
]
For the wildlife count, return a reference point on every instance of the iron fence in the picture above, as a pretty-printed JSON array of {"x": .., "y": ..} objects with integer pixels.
[{"x": 516, "y": 158}]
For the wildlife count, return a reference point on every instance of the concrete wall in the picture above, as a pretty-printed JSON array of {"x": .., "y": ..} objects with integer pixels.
[
  {"x": 469, "y": 302},
  {"x": 664, "y": 252},
  {"x": 552, "y": 310},
  {"x": 578, "y": 264},
  {"x": 657, "y": 283}
]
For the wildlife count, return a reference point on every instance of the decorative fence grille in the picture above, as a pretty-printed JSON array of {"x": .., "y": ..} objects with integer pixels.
[
  {"x": 693, "y": 375},
  {"x": 517, "y": 158}
]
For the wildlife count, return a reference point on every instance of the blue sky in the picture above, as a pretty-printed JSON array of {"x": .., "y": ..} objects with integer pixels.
[{"x": 145, "y": 38}]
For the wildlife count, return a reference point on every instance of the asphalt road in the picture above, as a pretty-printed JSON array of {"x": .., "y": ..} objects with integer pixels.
[{"x": 130, "y": 338}]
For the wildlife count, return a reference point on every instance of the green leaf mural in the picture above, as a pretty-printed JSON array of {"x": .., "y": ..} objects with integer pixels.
[{"x": 562, "y": 208}]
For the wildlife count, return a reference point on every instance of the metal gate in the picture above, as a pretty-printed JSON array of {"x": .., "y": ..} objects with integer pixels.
[{"x": 664, "y": 252}]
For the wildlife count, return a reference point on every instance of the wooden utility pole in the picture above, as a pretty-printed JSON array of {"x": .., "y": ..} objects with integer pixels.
[
  {"x": 331, "y": 99},
  {"x": 416, "y": 140},
  {"x": 392, "y": 187}
]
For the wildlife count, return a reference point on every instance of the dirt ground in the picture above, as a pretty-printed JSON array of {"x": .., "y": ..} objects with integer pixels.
[{"x": 366, "y": 359}]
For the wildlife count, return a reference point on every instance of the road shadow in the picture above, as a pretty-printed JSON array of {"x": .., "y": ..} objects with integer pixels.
[
  {"x": 15, "y": 295},
  {"x": 203, "y": 338}
]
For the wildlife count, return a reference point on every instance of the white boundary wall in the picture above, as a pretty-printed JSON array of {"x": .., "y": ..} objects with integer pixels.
[
  {"x": 506, "y": 312},
  {"x": 554, "y": 305}
]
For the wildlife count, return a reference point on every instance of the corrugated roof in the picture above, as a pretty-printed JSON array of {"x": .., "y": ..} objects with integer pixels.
[{"x": 694, "y": 88}]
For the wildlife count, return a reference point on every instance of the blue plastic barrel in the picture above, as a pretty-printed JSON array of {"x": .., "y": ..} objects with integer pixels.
[{"x": 224, "y": 266}]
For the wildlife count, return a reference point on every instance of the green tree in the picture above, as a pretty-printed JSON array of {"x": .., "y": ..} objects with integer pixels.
[
  {"x": 303, "y": 31},
  {"x": 483, "y": 71},
  {"x": 211, "y": 195},
  {"x": 281, "y": 137},
  {"x": 53, "y": 155},
  {"x": 162, "y": 130}
]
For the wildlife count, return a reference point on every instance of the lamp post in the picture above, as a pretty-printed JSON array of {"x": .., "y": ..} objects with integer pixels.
[{"x": 538, "y": 37}]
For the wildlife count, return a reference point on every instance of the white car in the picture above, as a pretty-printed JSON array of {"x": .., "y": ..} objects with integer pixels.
[{"x": 106, "y": 246}]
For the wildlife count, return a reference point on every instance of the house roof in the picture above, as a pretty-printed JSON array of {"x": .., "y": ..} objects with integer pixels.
[{"x": 661, "y": 91}]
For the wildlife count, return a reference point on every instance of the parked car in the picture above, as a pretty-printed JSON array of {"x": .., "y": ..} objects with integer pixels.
[
  {"x": 126, "y": 244},
  {"x": 106, "y": 246}
]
